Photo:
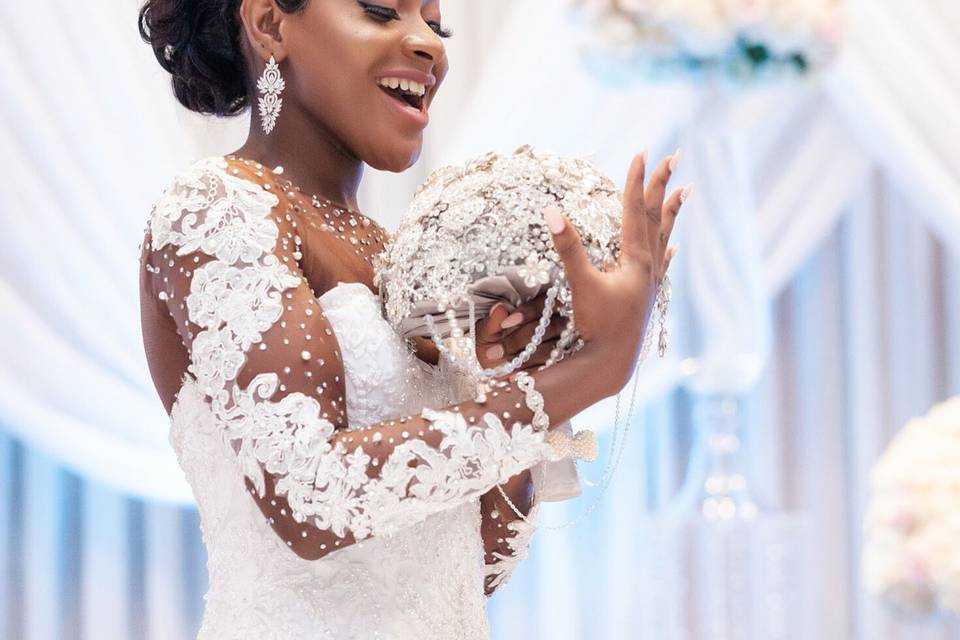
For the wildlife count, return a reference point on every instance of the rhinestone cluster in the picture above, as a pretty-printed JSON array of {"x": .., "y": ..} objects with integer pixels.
[{"x": 363, "y": 234}]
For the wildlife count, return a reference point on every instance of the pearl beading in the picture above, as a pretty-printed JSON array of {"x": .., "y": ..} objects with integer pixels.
[
  {"x": 534, "y": 400},
  {"x": 339, "y": 220}
]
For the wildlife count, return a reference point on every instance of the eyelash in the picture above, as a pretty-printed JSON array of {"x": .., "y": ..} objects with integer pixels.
[{"x": 385, "y": 14}]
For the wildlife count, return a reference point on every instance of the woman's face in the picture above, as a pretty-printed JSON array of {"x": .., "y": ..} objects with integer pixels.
[{"x": 347, "y": 63}]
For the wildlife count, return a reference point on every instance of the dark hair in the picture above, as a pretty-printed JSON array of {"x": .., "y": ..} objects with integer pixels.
[{"x": 198, "y": 43}]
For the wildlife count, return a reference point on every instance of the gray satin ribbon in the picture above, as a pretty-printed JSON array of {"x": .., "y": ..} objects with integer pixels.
[{"x": 507, "y": 287}]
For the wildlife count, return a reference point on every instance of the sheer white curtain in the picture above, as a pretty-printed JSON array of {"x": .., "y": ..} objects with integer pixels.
[{"x": 857, "y": 192}]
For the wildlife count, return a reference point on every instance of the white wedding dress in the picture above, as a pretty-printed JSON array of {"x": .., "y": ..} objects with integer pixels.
[{"x": 418, "y": 568}]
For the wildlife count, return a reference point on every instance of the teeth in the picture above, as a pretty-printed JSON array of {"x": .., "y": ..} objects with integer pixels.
[{"x": 410, "y": 86}]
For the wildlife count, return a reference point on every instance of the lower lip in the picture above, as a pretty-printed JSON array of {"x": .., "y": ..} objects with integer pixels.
[{"x": 420, "y": 118}]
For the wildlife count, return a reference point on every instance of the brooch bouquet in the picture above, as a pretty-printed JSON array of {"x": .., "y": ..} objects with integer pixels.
[{"x": 475, "y": 235}]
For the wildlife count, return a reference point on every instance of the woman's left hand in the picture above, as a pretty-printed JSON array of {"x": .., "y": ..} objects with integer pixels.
[{"x": 505, "y": 332}]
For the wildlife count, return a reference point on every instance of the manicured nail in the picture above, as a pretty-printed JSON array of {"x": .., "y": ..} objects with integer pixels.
[
  {"x": 687, "y": 190},
  {"x": 494, "y": 352},
  {"x": 512, "y": 320},
  {"x": 674, "y": 160},
  {"x": 492, "y": 309},
  {"x": 554, "y": 219}
]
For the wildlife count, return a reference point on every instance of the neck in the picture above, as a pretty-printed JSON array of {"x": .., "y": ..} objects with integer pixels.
[{"x": 318, "y": 164}]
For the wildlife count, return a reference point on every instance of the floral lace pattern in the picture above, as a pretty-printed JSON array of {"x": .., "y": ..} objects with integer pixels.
[
  {"x": 498, "y": 573},
  {"x": 419, "y": 568}
]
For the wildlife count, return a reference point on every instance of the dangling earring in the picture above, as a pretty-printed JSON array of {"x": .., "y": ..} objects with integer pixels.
[{"x": 270, "y": 85}]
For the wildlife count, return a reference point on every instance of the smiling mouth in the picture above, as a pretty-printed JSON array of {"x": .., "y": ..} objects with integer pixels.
[{"x": 405, "y": 96}]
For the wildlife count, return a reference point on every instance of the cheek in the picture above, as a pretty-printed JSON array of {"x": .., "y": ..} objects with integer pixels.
[
  {"x": 357, "y": 113},
  {"x": 335, "y": 86}
]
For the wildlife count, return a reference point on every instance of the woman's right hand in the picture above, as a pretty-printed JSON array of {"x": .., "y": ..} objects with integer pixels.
[{"x": 612, "y": 308}]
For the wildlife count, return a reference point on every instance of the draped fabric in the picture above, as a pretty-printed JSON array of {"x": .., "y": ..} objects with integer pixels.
[{"x": 854, "y": 178}]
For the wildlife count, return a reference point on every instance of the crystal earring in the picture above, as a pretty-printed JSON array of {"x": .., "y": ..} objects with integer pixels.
[{"x": 270, "y": 84}]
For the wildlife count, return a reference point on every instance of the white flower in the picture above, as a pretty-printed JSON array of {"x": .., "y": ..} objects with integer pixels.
[
  {"x": 912, "y": 524},
  {"x": 534, "y": 271}
]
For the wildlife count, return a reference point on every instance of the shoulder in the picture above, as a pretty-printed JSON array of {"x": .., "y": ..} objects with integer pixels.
[{"x": 210, "y": 202}]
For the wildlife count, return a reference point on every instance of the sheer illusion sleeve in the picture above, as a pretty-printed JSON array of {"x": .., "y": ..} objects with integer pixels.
[
  {"x": 507, "y": 536},
  {"x": 223, "y": 257}
]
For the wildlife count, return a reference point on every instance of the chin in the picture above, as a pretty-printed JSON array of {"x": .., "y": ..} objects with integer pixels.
[{"x": 395, "y": 160}]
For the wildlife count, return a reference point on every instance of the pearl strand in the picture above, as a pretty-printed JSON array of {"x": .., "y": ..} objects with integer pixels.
[
  {"x": 613, "y": 460},
  {"x": 506, "y": 368}
]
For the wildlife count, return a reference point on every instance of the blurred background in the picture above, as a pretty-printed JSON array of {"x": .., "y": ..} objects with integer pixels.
[{"x": 816, "y": 300}]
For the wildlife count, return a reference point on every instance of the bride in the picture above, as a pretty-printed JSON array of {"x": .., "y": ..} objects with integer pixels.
[{"x": 346, "y": 479}]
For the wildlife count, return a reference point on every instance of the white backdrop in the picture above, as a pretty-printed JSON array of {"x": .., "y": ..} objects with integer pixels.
[{"x": 856, "y": 182}]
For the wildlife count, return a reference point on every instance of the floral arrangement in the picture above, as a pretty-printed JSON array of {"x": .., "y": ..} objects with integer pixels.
[
  {"x": 911, "y": 555},
  {"x": 737, "y": 39}
]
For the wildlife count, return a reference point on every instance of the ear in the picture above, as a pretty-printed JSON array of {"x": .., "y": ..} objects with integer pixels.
[{"x": 261, "y": 21}]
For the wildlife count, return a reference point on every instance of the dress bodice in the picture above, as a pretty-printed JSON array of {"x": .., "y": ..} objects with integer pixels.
[{"x": 424, "y": 581}]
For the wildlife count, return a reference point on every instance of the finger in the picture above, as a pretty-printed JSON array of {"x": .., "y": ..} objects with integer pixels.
[
  {"x": 489, "y": 328},
  {"x": 526, "y": 312},
  {"x": 566, "y": 242},
  {"x": 519, "y": 339},
  {"x": 634, "y": 228},
  {"x": 671, "y": 208},
  {"x": 671, "y": 252},
  {"x": 653, "y": 200}
]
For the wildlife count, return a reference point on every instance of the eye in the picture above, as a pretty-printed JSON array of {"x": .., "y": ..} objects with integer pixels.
[
  {"x": 386, "y": 14},
  {"x": 379, "y": 12},
  {"x": 439, "y": 30}
]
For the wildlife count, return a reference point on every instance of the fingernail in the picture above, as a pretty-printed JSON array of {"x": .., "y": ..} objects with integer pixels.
[
  {"x": 512, "y": 320},
  {"x": 643, "y": 157},
  {"x": 673, "y": 251},
  {"x": 554, "y": 220},
  {"x": 674, "y": 160},
  {"x": 492, "y": 309},
  {"x": 687, "y": 190},
  {"x": 494, "y": 352}
]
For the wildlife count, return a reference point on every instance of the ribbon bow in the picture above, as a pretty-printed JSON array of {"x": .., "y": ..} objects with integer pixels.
[{"x": 583, "y": 445}]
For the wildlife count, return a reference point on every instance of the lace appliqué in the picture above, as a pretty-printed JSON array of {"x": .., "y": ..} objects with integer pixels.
[
  {"x": 235, "y": 298},
  {"x": 500, "y": 571}
]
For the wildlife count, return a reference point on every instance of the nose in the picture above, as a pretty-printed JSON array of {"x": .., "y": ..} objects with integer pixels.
[{"x": 423, "y": 43}]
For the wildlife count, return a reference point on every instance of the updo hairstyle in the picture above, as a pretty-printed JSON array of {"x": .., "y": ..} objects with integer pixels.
[{"x": 199, "y": 43}]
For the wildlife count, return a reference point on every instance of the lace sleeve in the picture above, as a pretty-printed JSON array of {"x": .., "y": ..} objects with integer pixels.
[
  {"x": 506, "y": 536},
  {"x": 223, "y": 258}
]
